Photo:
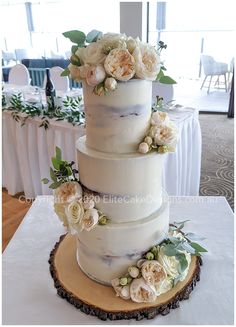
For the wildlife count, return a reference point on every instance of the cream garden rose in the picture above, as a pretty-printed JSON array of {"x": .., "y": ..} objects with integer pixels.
[
  {"x": 120, "y": 64},
  {"x": 147, "y": 61},
  {"x": 121, "y": 291},
  {"x": 95, "y": 75},
  {"x": 153, "y": 272},
  {"x": 112, "y": 41},
  {"x": 93, "y": 54},
  {"x": 68, "y": 192},
  {"x": 140, "y": 291},
  {"x": 165, "y": 135}
]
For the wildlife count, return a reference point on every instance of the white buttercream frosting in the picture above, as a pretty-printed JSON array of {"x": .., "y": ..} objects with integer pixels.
[
  {"x": 105, "y": 252},
  {"x": 129, "y": 185},
  {"x": 117, "y": 122}
]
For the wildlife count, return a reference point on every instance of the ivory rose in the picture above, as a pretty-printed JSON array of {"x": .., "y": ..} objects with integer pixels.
[
  {"x": 120, "y": 64},
  {"x": 93, "y": 54},
  {"x": 67, "y": 192},
  {"x": 95, "y": 75},
  {"x": 166, "y": 135},
  {"x": 112, "y": 41},
  {"x": 90, "y": 219},
  {"x": 140, "y": 291},
  {"x": 172, "y": 265},
  {"x": 153, "y": 272},
  {"x": 147, "y": 62},
  {"x": 75, "y": 211}
]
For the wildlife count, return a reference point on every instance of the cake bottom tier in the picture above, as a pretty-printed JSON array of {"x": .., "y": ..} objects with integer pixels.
[{"x": 107, "y": 251}]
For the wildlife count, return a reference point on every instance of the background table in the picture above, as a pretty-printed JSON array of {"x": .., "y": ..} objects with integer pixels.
[
  {"x": 29, "y": 296},
  {"x": 27, "y": 153}
]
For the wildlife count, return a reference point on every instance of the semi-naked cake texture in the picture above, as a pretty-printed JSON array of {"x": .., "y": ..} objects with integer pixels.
[
  {"x": 127, "y": 185},
  {"x": 117, "y": 122}
]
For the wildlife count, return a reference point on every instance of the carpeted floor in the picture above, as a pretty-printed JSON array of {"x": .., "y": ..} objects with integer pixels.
[{"x": 217, "y": 172}]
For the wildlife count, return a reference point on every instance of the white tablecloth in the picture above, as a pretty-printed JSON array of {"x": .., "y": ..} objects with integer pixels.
[
  {"x": 27, "y": 153},
  {"x": 29, "y": 296}
]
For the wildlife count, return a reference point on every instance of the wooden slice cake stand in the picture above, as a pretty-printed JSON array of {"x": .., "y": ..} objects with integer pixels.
[{"x": 99, "y": 300}]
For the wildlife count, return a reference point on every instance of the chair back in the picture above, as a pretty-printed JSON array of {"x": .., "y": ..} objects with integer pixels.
[
  {"x": 19, "y": 75},
  {"x": 61, "y": 83},
  {"x": 207, "y": 64}
]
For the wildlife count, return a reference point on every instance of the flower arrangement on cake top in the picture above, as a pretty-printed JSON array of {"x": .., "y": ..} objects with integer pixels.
[{"x": 102, "y": 60}]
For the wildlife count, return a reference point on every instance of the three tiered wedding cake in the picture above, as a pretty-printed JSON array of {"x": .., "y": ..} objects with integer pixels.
[{"x": 117, "y": 208}]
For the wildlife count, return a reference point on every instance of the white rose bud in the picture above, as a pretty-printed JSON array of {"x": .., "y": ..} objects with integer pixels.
[
  {"x": 133, "y": 271},
  {"x": 95, "y": 75},
  {"x": 153, "y": 272},
  {"x": 148, "y": 140},
  {"x": 160, "y": 118},
  {"x": 143, "y": 147},
  {"x": 121, "y": 291},
  {"x": 90, "y": 219},
  {"x": 110, "y": 83},
  {"x": 89, "y": 204},
  {"x": 140, "y": 262},
  {"x": 140, "y": 291}
]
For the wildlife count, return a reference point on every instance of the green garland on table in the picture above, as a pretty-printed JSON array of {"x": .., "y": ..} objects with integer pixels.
[{"x": 71, "y": 114}]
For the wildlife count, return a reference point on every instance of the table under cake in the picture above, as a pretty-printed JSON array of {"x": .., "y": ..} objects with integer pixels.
[
  {"x": 27, "y": 153},
  {"x": 29, "y": 296}
]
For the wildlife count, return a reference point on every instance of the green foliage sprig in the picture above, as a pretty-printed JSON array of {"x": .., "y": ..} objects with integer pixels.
[
  {"x": 61, "y": 171},
  {"x": 161, "y": 77},
  {"x": 72, "y": 113},
  {"x": 174, "y": 246}
]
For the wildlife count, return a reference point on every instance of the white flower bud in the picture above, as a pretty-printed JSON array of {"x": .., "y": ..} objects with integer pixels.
[
  {"x": 89, "y": 204},
  {"x": 110, "y": 83},
  {"x": 90, "y": 219},
  {"x": 143, "y": 147},
  {"x": 148, "y": 140},
  {"x": 133, "y": 271}
]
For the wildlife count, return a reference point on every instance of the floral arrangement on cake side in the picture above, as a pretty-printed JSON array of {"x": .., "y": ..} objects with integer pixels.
[
  {"x": 160, "y": 268},
  {"x": 102, "y": 60},
  {"x": 162, "y": 136},
  {"x": 74, "y": 206}
]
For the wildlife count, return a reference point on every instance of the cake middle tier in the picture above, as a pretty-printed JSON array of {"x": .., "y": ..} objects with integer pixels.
[{"x": 127, "y": 187}]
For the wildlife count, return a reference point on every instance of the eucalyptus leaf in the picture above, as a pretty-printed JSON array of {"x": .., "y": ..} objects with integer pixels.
[
  {"x": 182, "y": 261},
  {"x": 198, "y": 248},
  {"x": 58, "y": 153},
  {"x": 55, "y": 185},
  {"x": 75, "y": 36},
  {"x": 159, "y": 75},
  {"x": 187, "y": 247},
  {"x": 56, "y": 163},
  {"x": 167, "y": 80},
  {"x": 93, "y": 36},
  {"x": 194, "y": 237},
  {"x": 74, "y": 48},
  {"x": 65, "y": 72},
  {"x": 170, "y": 250},
  {"x": 52, "y": 175}
]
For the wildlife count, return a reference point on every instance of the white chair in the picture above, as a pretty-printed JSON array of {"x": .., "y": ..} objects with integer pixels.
[
  {"x": 165, "y": 91},
  {"x": 61, "y": 83},
  {"x": 213, "y": 68},
  {"x": 21, "y": 54},
  {"x": 19, "y": 75},
  {"x": 8, "y": 57}
]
